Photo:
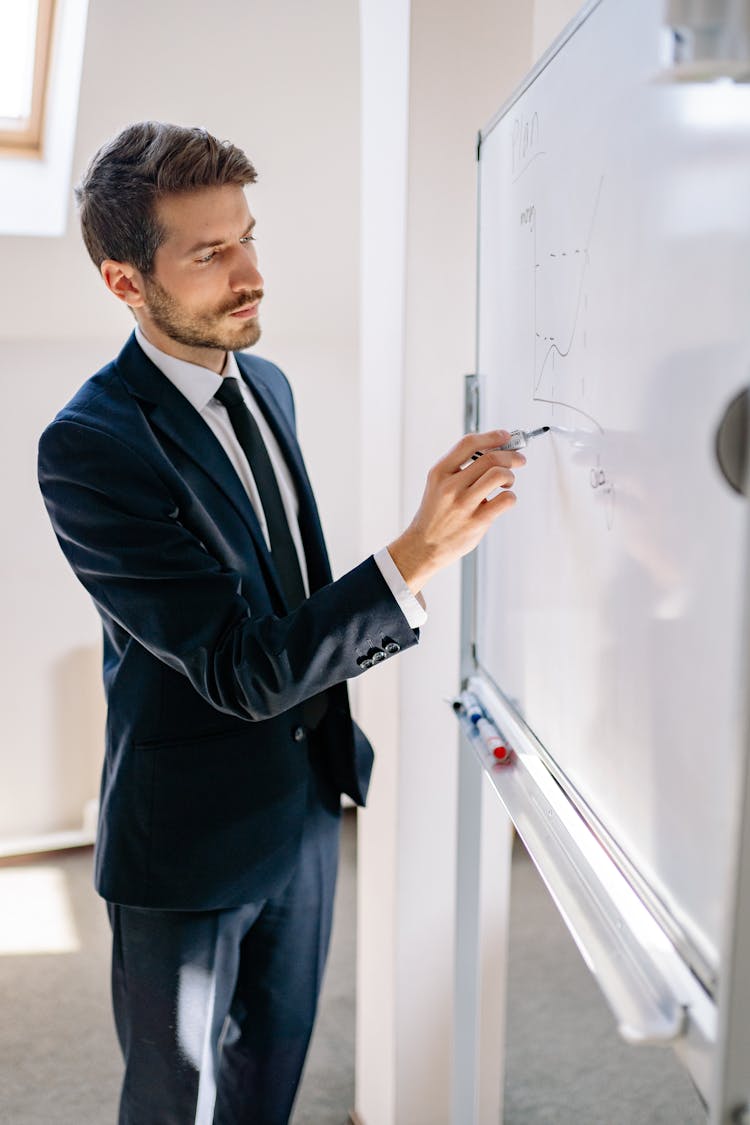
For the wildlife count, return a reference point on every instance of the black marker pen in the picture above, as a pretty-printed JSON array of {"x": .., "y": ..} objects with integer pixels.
[{"x": 517, "y": 440}]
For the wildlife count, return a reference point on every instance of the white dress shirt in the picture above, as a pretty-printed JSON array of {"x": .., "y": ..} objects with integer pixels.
[{"x": 199, "y": 385}]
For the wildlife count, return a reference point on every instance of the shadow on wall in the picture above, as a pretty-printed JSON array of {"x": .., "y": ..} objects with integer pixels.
[{"x": 78, "y": 710}]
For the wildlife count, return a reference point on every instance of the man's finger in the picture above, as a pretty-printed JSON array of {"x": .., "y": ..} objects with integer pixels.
[
  {"x": 497, "y": 504},
  {"x": 471, "y": 443},
  {"x": 504, "y": 459},
  {"x": 493, "y": 478},
  {"x": 467, "y": 478}
]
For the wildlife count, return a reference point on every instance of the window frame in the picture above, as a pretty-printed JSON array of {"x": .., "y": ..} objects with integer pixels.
[{"x": 27, "y": 139}]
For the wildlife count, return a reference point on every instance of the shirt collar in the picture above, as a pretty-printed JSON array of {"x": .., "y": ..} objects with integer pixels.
[{"x": 198, "y": 384}]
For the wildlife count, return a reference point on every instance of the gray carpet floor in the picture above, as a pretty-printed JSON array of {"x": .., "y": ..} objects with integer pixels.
[
  {"x": 565, "y": 1062},
  {"x": 59, "y": 1060}
]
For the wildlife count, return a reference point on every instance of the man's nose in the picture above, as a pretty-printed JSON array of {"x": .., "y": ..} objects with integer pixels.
[{"x": 245, "y": 272}]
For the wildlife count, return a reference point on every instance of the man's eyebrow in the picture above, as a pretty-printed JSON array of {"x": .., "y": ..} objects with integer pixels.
[{"x": 219, "y": 242}]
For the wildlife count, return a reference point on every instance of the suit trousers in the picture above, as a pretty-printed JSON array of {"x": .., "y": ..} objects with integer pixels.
[{"x": 214, "y": 1009}]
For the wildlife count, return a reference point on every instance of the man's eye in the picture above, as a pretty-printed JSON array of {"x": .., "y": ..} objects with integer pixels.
[
  {"x": 207, "y": 257},
  {"x": 247, "y": 238}
]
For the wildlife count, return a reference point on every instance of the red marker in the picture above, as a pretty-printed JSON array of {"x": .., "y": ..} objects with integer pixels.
[{"x": 492, "y": 741}]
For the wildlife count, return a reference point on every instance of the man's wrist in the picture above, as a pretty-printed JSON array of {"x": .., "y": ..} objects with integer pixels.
[
  {"x": 410, "y": 559},
  {"x": 412, "y": 606}
]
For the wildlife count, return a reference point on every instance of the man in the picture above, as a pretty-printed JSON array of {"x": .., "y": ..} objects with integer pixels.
[{"x": 177, "y": 490}]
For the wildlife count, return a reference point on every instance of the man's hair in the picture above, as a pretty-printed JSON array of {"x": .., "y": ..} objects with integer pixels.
[{"x": 119, "y": 190}]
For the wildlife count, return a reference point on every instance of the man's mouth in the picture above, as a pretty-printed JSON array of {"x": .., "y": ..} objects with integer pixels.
[{"x": 246, "y": 311}]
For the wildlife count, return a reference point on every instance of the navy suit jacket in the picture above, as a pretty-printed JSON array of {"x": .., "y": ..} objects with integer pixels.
[{"x": 212, "y": 686}]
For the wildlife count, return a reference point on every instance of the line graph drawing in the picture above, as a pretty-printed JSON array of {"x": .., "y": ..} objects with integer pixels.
[
  {"x": 559, "y": 316},
  {"x": 580, "y": 261}
]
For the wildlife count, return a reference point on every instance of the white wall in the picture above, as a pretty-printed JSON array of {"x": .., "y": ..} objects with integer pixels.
[
  {"x": 550, "y": 17},
  {"x": 281, "y": 79}
]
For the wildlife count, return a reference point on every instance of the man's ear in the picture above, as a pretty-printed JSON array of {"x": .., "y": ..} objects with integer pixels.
[{"x": 125, "y": 281}]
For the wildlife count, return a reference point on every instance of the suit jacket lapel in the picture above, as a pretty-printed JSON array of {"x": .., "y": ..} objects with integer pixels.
[
  {"x": 174, "y": 416},
  {"x": 318, "y": 565}
]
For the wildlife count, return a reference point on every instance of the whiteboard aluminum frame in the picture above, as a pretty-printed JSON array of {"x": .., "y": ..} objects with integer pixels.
[{"x": 730, "y": 1096}]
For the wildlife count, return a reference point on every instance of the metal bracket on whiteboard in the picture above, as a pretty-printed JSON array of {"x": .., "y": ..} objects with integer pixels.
[
  {"x": 732, "y": 441},
  {"x": 653, "y": 994},
  {"x": 471, "y": 403},
  {"x": 472, "y": 384}
]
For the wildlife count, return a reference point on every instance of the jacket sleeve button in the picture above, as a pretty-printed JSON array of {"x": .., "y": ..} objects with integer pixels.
[
  {"x": 376, "y": 655},
  {"x": 392, "y": 648},
  {"x": 364, "y": 662}
]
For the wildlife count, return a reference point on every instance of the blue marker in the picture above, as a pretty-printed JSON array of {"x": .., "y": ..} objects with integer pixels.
[{"x": 467, "y": 705}]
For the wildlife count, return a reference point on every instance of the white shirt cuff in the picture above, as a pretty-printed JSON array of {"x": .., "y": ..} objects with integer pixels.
[{"x": 412, "y": 609}]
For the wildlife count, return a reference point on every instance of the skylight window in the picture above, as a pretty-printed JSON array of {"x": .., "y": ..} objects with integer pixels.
[
  {"x": 25, "y": 35},
  {"x": 36, "y": 153}
]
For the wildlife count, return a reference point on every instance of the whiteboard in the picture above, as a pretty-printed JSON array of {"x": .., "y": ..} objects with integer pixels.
[{"x": 613, "y": 306}]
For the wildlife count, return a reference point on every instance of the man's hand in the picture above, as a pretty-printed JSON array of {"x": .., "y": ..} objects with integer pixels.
[{"x": 455, "y": 511}]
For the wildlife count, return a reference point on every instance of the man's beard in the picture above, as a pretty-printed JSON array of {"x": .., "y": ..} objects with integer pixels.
[{"x": 201, "y": 329}]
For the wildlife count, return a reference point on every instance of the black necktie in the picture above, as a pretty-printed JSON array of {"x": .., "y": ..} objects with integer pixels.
[{"x": 249, "y": 436}]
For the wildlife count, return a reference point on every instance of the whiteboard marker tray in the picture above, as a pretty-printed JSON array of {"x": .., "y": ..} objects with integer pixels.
[{"x": 653, "y": 994}]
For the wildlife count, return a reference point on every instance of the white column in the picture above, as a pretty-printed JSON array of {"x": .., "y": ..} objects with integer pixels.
[
  {"x": 434, "y": 72},
  {"x": 384, "y": 36}
]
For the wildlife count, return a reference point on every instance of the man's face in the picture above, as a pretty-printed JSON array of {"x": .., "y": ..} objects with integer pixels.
[{"x": 205, "y": 288}]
